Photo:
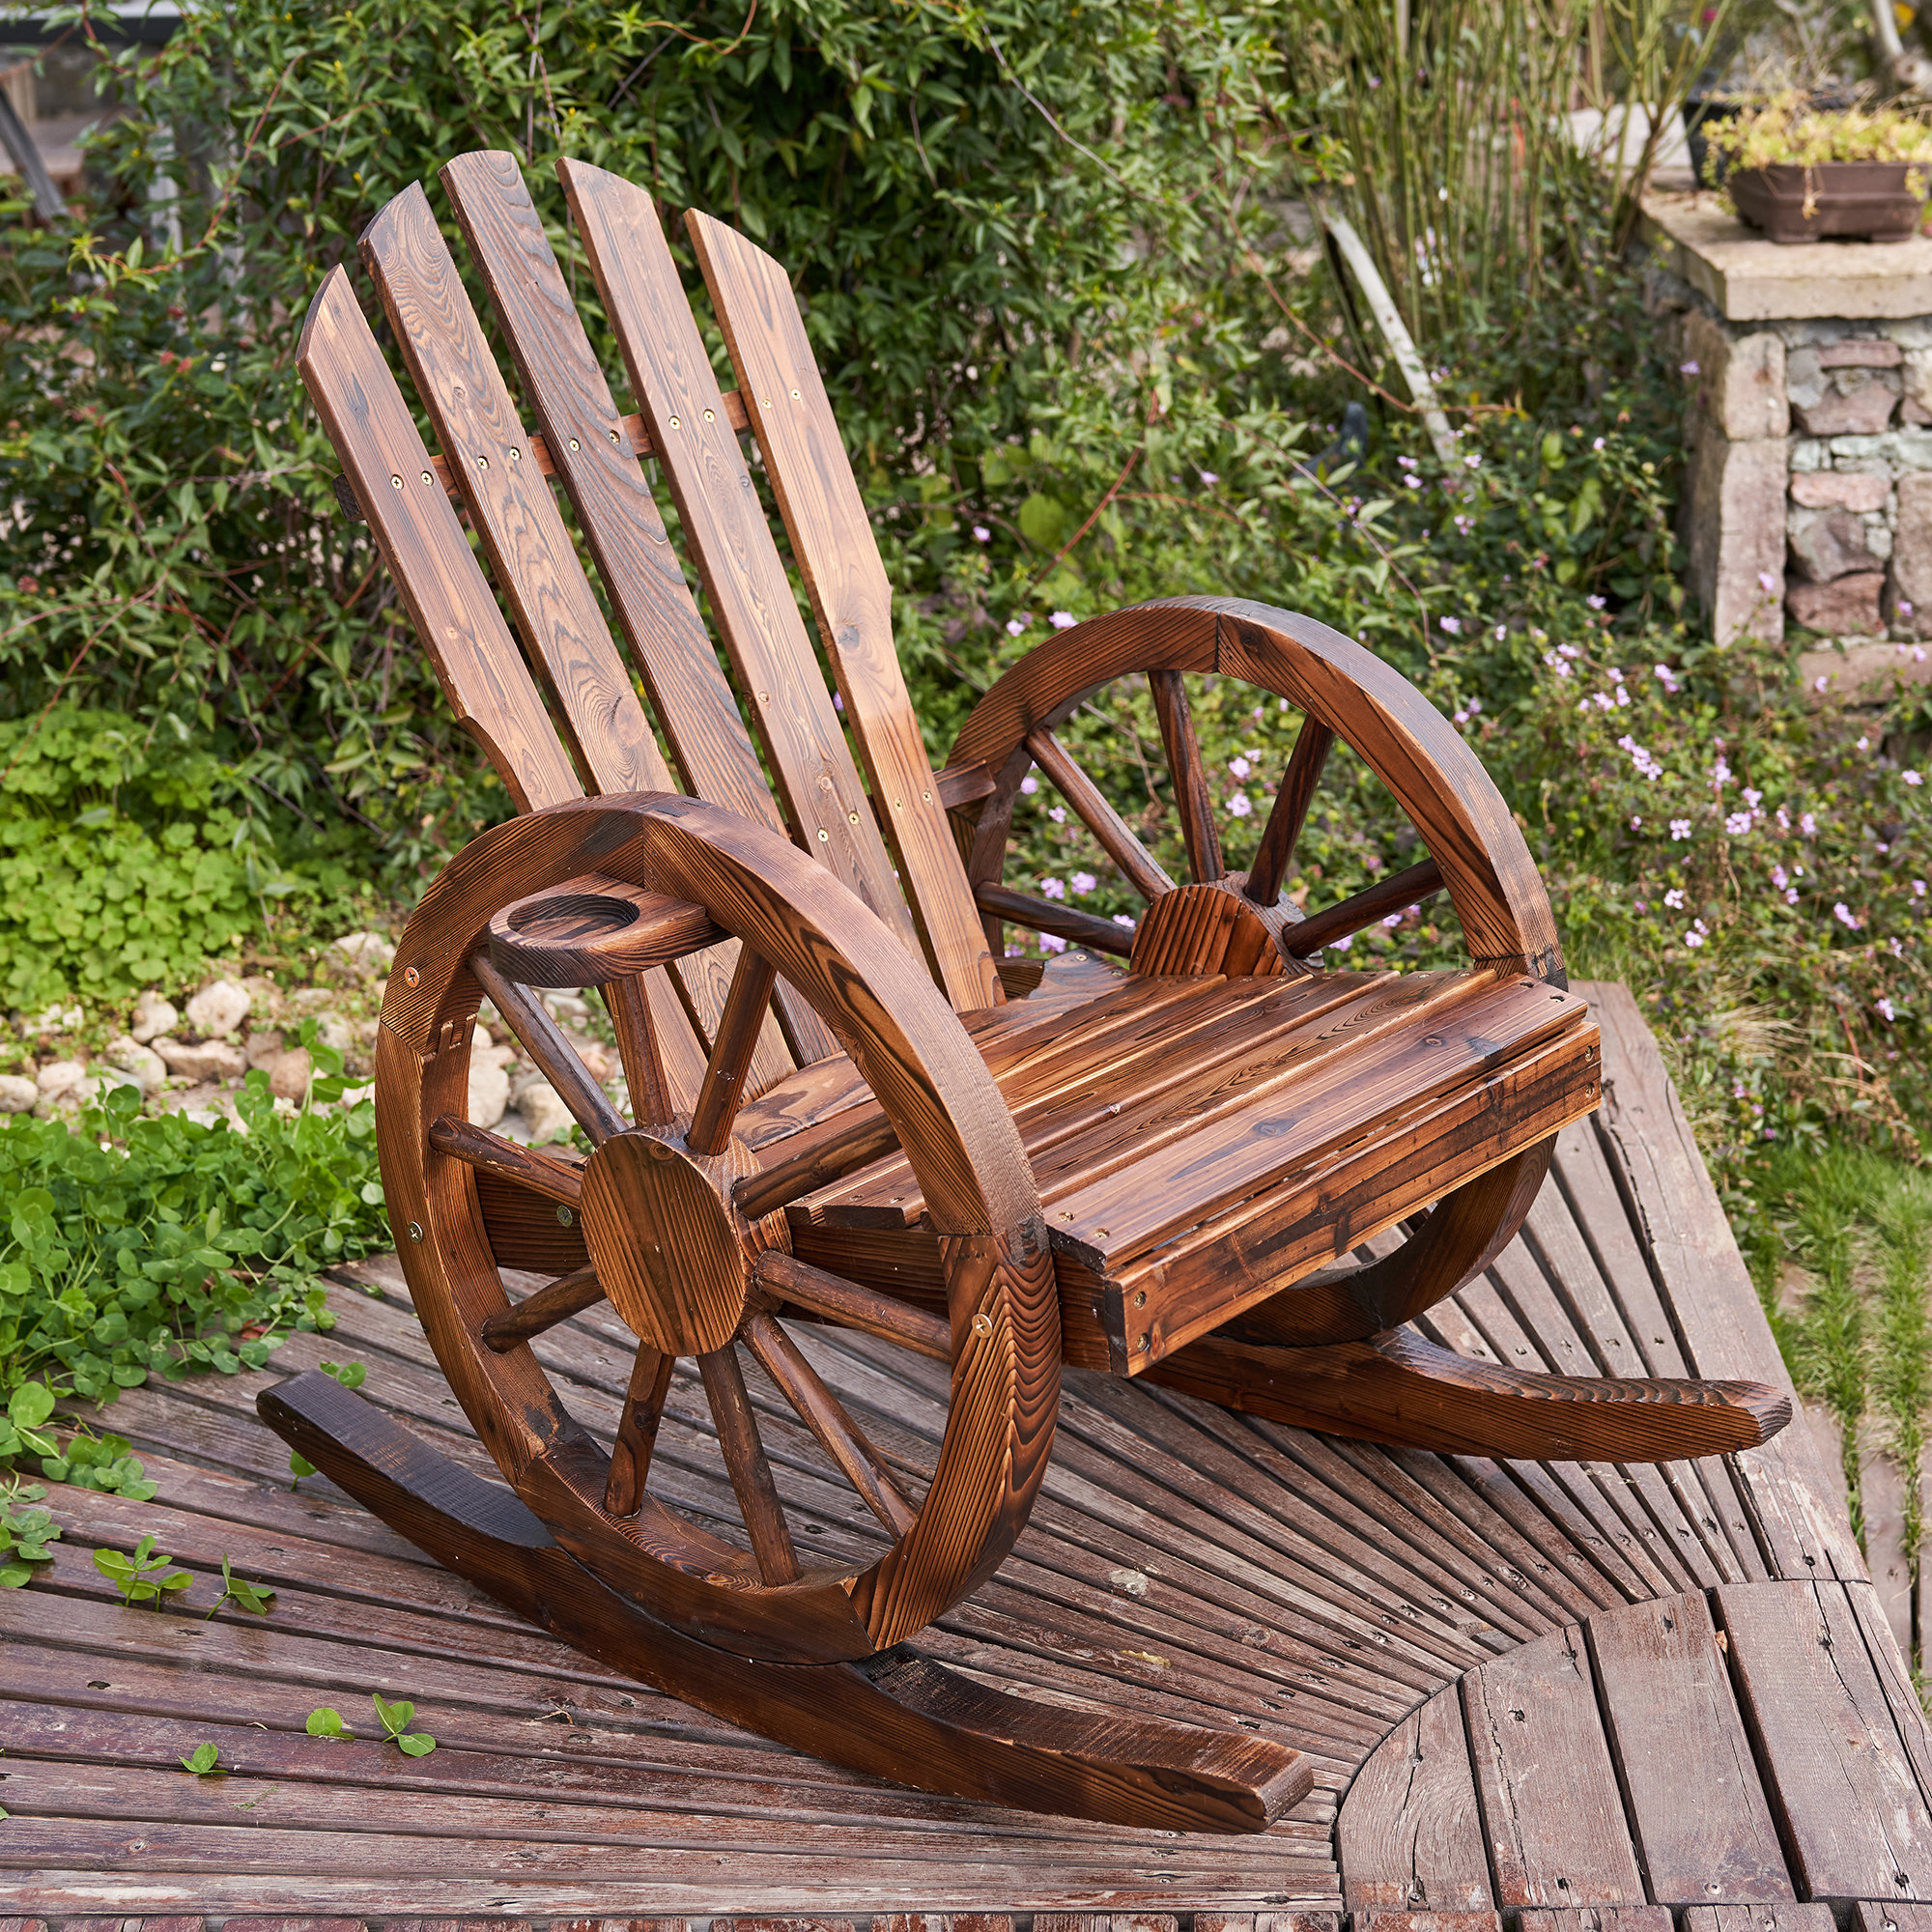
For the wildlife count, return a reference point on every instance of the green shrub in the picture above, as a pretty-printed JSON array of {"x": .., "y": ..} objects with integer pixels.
[{"x": 127, "y": 856}]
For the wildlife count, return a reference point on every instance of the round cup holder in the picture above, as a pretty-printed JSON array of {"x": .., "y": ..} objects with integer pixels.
[{"x": 591, "y": 931}]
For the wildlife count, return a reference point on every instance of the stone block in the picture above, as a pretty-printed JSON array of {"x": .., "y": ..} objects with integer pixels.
[
  {"x": 1855, "y": 409},
  {"x": 1732, "y": 516},
  {"x": 1910, "y": 596},
  {"x": 1828, "y": 544},
  {"x": 1852, "y": 489},
  {"x": 1915, "y": 412},
  {"x": 1845, "y": 607},
  {"x": 1860, "y": 352},
  {"x": 1739, "y": 379},
  {"x": 1914, "y": 333},
  {"x": 1862, "y": 673}
]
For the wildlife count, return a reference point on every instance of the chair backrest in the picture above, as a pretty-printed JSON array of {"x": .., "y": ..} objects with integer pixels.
[{"x": 602, "y": 740}]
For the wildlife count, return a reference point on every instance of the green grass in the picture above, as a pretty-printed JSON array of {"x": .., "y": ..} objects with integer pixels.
[{"x": 1857, "y": 1225}]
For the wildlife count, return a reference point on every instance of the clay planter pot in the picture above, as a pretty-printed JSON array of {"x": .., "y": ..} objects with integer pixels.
[{"x": 1870, "y": 199}]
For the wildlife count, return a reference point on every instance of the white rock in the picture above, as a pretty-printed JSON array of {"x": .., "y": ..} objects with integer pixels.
[
  {"x": 567, "y": 1007},
  {"x": 263, "y": 1045},
  {"x": 332, "y": 1030},
  {"x": 265, "y": 998},
  {"x": 57, "y": 1018},
  {"x": 211, "y": 1060},
  {"x": 218, "y": 1008},
  {"x": 289, "y": 1074},
  {"x": 542, "y": 1109},
  {"x": 147, "y": 1068},
  {"x": 312, "y": 999},
  {"x": 153, "y": 1015},
  {"x": 58, "y": 1076},
  {"x": 600, "y": 1062},
  {"x": 365, "y": 954},
  {"x": 17, "y": 1094},
  {"x": 489, "y": 1086}
]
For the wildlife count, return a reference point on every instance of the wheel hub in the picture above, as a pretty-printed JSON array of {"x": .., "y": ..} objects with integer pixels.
[{"x": 668, "y": 1247}]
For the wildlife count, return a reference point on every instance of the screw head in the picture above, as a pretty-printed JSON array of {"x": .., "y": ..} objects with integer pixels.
[
  {"x": 416, "y": 1230},
  {"x": 575, "y": 445},
  {"x": 482, "y": 463},
  {"x": 674, "y": 422},
  {"x": 825, "y": 837},
  {"x": 395, "y": 482},
  {"x": 427, "y": 477},
  {"x": 411, "y": 975},
  {"x": 565, "y": 1219},
  {"x": 612, "y": 433},
  {"x": 982, "y": 1323}
]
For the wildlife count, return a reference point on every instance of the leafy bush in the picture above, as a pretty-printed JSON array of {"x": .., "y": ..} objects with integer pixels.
[
  {"x": 176, "y": 1245},
  {"x": 127, "y": 856}
]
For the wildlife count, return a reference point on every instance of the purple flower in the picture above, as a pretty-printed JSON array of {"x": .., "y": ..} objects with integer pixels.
[
  {"x": 1675, "y": 898},
  {"x": 1594, "y": 603},
  {"x": 1780, "y": 877},
  {"x": 1084, "y": 883},
  {"x": 1680, "y": 828},
  {"x": 1887, "y": 1011},
  {"x": 1049, "y": 943},
  {"x": 1054, "y": 888},
  {"x": 1689, "y": 369},
  {"x": 1057, "y": 813},
  {"x": 1343, "y": 944},
  {"x": 1738, "y": 824},
  {"x": 1209, "y": 477},
  {"x": 1808, "y": 825},
  {"x": 1766, "y": 582},
  {"x": 1598, "y": 444},
  {"x": 839, "y": 701},
  {"x": 1636, "y": 821},
  {"x": 1015, "y": 625},
  {"x": 1063, "y": 620},
  {"x": 1453, "y": 625},
  {"x": 1845, "y": 917},
  {"x": 1474, "y": 462},
  {"x": 1240, "y": 767},
  {"x": 1819, "y": 683},
  {"x": 1240, "y": 804},
  {"x": 1911, "y": 777},
  {"x": 1394, "y": 918},
  {"x": 1029, "y": 784},
  {"x": 982, "y": 534},
  {"x": 1919, "y": 889},
  {"x": 1122, "y": 918},
  {"x": 1694, "y": 938}
]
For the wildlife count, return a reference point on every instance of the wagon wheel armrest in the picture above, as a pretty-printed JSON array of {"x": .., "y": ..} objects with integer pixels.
[{"x": 1343, "y": 690}]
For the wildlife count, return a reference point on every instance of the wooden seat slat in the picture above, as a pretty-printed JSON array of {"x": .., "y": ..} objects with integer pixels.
[
  {"x": 827, "y": 810},
  {"x": 832, "y": 541},
  {"x": 625, "y": 532}
]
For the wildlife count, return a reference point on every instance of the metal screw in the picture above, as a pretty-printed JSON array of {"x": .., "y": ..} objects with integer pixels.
[
  {"x": 612, "y": 433},
  {"x": 764, "y": 402},
  {"x": 412, "y": 977},
  {"x": 565, "y": 1219},
  {"x": 427, "y": 477},
  {"x": 794, "y": 395},
  {"x": 1140, "y": 1298},
  {"x": 395, "y": 482},
  {"x": 482, "y": 463},
  {"x": 575, "y": 445},
  {"x": 709, "y": 416},
  {"x": 516, "y": 456},
  {"x": 416, "y": 1230},
  {"x": 982, "y": 1323},
  {"x": 824, "y": 836},
  {"x": 674, "y": 422},
  {"x": 1140, "y": 1347},
  {"x": 853, "y": 817}
]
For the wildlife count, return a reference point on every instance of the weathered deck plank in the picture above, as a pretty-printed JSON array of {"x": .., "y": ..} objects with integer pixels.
[{"x": 1182, "y": 1561}]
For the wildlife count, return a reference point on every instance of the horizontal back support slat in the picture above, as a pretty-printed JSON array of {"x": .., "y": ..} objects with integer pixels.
[
  {"x": 469, "y": 647},
  {"x": 619, "y": 517},
  {"x": 832, "y": 541},
  {"x": 744, "y": 577}
]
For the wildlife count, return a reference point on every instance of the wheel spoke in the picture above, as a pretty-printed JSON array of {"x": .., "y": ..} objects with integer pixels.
[
  {"x": 542, "y": 1038},
  {"x": 1290, "y": 811},
  {"x": 651, "y": 1098},
  {"x": 744, "y": 1461},
  {"x": 1043, "y": 916},
  {"x": 558, "y": 1301},
  {"x": 821, "y": 1412},
  {"x": 638, "y": 1431},
  {"x": 851, "y": 1306},
  {"x": 785, "y": 1180},
  {"x": 725, "y": 1073},
  {"x": 1336, "y": 922},
  {"x": 523, "y": 1167},
  {"x": 1138, "y": 865},
  {"x": 1192, "y": 795}
]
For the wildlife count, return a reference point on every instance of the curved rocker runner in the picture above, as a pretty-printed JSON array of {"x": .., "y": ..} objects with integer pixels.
[{"x": 846, "y": 1106}]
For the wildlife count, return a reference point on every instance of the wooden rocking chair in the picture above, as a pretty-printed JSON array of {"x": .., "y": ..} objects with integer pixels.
[{"x": 840, "y": 1115}]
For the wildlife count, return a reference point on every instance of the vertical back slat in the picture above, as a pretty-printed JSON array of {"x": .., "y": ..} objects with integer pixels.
[
  {"x": 618, "y": 516},
  {"x": 470, "y": 649},
  {"x": 523, "y": 533},
  {"x": 509, "y": 501},
  {"x": 832, "y": 539},
  {"x": 744, "y": 577}
]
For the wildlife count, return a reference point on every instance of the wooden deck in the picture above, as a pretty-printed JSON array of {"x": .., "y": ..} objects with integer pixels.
[{"x": 1573, "y": 1696}]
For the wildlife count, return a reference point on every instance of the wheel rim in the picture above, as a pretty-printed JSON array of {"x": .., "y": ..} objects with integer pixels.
[{"x": 745, "y": 1586}]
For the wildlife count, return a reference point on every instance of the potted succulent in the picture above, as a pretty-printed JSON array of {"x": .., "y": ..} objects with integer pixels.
[{"x": 1802, "y": 172}]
